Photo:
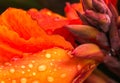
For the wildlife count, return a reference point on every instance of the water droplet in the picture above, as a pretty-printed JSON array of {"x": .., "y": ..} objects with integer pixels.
[
  {"x": 23, "y": 66},
  {"x": 23, "y": 80},
  {"x": 55, "y": 52},
  {"x": 28, "y": 70},
  {"x": 51, "y": 64},
  {"x": 12, "y": 70},
  {"x": 23, "y": 72},
  {"x": 2, "y": 82},
  {"x": 55, "y": 69},
  {"x": 92, "y": 66},
  {"x": 30, "y": 65},
  {"x": 63, "y": 75},
  {"x": 79, "y": 67},
  {"x": 42, "y": 68},
  {"x": 48, "y": 55},
  {"x": 50, "y": 79},
  {"x": 33, "y": 61},
  {"x": 33, "y": 73},
  {"x": 8, "y": 64},
  {"x": 49, "y": 13}
]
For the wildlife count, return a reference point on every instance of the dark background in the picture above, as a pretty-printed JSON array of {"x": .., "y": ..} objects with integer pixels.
[
  {"x": 54, "y": 5},
  {"x": 118, "y": 6}
]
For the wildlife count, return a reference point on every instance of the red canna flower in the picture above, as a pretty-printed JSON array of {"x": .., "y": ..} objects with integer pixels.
[
  {"x": 36, "y": 46},
  {"x": 29, "y": 54}
]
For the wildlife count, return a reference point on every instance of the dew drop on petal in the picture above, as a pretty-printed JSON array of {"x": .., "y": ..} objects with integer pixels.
[
  {"x": 55, "y": 52},
  {"x": 51, "y": 64},
  {"x": 8, "y": 64},
  {"x": 30, "y": 65},
  {"x": 2, "y": 82},
  {"x": 48, "y": 55},
  {"x": 23, "y": 80},
  {"x": 63, "y": 75},
  {"x": 23, "y": 66},
  {"x": 33, "y": 61},
  {"x": 23, "y": 72},
  {"x": 12, "y": 70},
  {"x": 54, "y": 69},
  {"x": 28, "y": 70},
  {"x": 79, "y": 67},
  {"x": 50, "y": 79},
  {"x": 33, "y": 73},
  {"x": 49, "y": 13},
  {"x": 92, "y": 66},
  {"x": 42, "y": 68}
]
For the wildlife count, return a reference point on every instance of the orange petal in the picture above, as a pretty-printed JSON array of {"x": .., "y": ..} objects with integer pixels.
[
  {"x": 19, "y": 21},
  {"x": 52, "y": 23},
  {"x": 48, "y": 20},
  {"x": 28, "y": 36},
  {"x": 32, "y": 45},
  {"x": 7, "y": 53},
  {"x": 51, "y": 65}
]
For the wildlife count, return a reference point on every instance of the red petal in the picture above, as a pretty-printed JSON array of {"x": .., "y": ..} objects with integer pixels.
[
  {"x": 19, "y": 31},
  {"x": 70, "y": 10}
]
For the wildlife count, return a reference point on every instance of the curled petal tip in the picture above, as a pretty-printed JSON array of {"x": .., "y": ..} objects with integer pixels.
[
  {"x": 83, "y": 31},
  {"x": 89, "y": 51},
  {"x": 83, "y": 35}
]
